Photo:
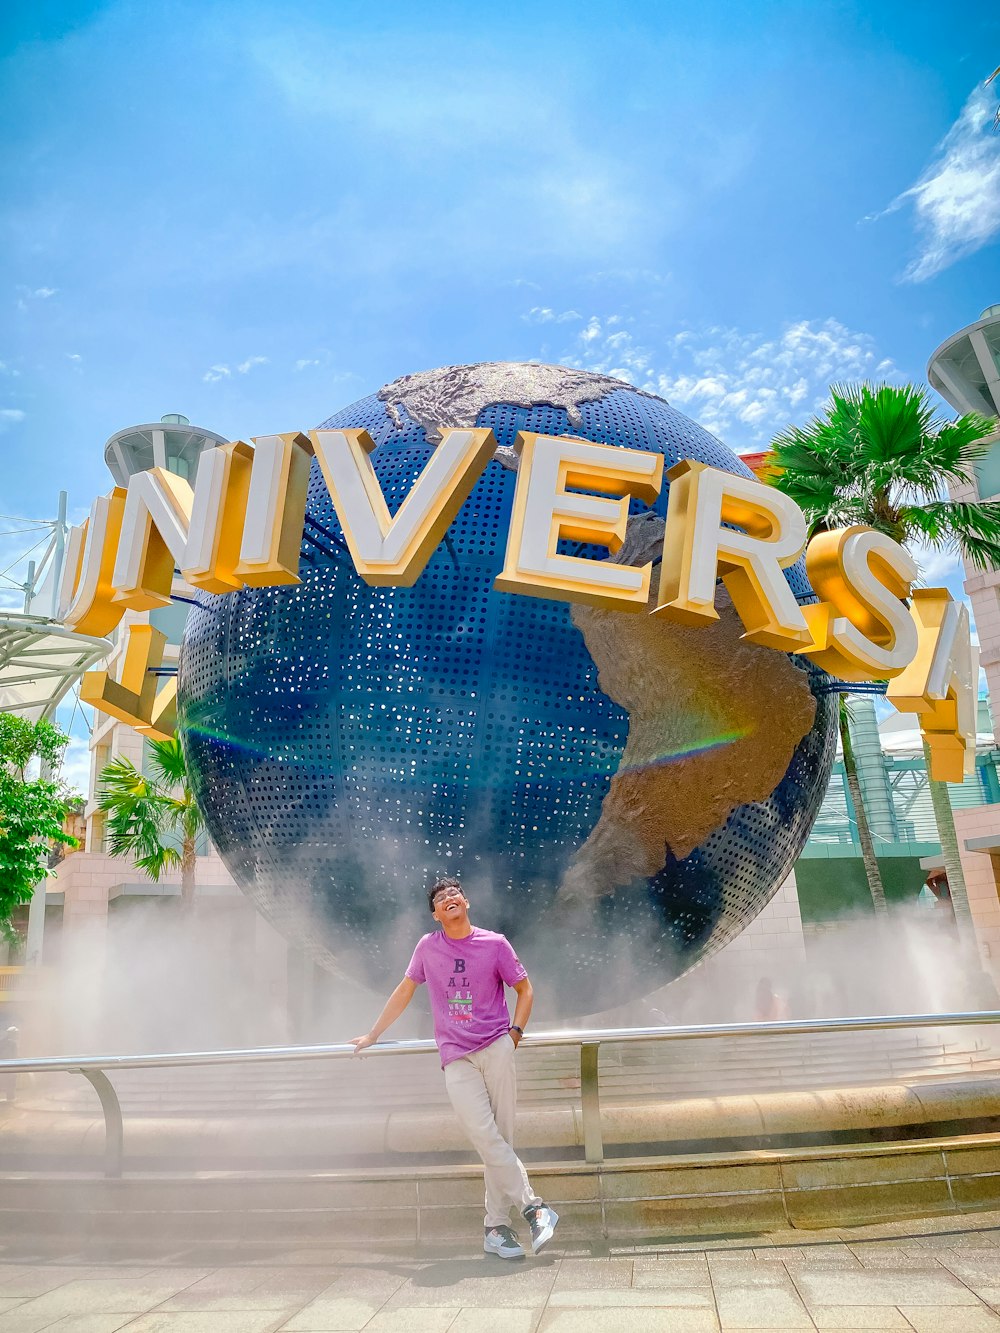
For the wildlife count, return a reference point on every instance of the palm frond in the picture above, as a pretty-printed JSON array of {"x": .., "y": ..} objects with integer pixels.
[
  {"x": 894, "y": 428},
  {"x": 134, "y": 831},
  {"x": 812, "y": 467},
  {"x": 971, "y": 529},
  {"x": 892, "y": 421},
  {"x": 166, "y": 759},
  {"x": 948, "y": 454},
  {"x": 121, "y": 780},
  {"x": 156, "y": 862},
  {"x": 141, "y": 817}
]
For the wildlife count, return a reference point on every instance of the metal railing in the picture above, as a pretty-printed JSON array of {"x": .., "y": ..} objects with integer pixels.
[{"x": 96, "y": 1068}]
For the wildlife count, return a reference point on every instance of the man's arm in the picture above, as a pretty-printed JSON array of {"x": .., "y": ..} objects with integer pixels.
[
  {"x": 394, "y": 1006},
  {"x": 522, "y": 1010}
]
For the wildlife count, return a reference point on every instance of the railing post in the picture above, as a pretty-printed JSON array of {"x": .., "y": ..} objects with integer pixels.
[
  {"x": 590, "y": 1099},
  {"x": 114, "y": 1130}
]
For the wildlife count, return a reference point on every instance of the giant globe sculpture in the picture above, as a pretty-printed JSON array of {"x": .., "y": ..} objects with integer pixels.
[{"x": 620, "y": 795}]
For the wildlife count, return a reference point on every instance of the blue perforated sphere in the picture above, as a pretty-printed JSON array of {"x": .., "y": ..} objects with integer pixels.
[{"x": 620, "y": 795}]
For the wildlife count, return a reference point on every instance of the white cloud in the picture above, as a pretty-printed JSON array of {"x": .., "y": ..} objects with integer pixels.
[
  {"x": 745, "y": 387},
  {"x": 10, "y": 416},
  {"x": 957, "y": 196},
  {"x": 546, "y": 315},
  {"x": 592, "y": 331},
  {"x": 74, "y": 356},
  {"x": 305, "y": 363},
  {"x": 222, "y": 372},
  {"x": 937, "y": 567},
  {"x": 26, "y": 294}
]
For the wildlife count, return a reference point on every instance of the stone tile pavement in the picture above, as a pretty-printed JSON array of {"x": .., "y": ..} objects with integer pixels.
[{"x": 929, "y": 1276}]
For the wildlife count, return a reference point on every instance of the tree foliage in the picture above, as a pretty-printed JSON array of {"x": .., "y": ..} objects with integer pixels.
[
  {"x": 32, "y": 809},
  {"x": 879, "y": 457},
  {"x": 153, "y": 820}
]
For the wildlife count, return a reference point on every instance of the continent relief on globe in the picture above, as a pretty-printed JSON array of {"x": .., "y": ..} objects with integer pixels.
[
  {"x": 453, "y": 396},
  {"x": 713, "y": 724}
]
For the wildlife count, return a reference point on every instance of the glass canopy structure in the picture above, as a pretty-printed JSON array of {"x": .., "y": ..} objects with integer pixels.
[{"x": 40, "y": 662}]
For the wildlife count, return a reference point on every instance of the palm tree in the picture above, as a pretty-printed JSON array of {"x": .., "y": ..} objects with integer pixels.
[
  {"x": 155, "y": 820},
  {"x": 879, "y": 457}
]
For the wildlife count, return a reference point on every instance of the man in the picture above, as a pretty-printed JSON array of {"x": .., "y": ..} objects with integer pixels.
[{"x": 465, "y": 969}]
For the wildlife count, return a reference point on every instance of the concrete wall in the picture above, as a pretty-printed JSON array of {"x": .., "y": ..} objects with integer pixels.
[{"x": 982, "y": 880}]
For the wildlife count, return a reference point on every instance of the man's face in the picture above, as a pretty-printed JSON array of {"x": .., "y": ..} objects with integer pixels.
[{"x": 450, "y": 905}]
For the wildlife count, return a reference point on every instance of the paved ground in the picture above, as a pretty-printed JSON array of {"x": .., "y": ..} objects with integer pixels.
[{"x": 922, "y": 1276}]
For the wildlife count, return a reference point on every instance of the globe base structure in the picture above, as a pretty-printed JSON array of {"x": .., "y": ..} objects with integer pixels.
[{"x": 620, "y": 795}]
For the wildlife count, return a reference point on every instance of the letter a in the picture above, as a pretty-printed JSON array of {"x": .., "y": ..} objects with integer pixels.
[{"x": 940, "y": 684}]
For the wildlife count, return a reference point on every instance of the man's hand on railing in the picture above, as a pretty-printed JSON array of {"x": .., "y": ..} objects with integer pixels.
[{"x": 394, "y": 1006}]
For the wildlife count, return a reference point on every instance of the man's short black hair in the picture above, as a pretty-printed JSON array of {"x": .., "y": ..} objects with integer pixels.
[{"x": 445, "y": 882}]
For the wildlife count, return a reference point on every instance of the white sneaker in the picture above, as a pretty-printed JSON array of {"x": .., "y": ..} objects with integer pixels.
[
  {"x": 542, "y": 1220},
  {"x": 502, "y": 1242}
]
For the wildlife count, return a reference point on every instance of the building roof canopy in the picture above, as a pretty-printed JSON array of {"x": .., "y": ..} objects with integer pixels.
[{"x": 40, "y": 661}]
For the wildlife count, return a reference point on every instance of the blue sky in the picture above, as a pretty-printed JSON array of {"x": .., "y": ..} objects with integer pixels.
[{"x": 254, "y": 214}]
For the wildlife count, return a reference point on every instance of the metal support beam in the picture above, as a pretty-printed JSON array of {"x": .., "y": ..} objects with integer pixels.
[
  {"x": 988, "y": 366},
  {"x": 590, "y": 1099},
  {"x": 114, "y": 1129}
]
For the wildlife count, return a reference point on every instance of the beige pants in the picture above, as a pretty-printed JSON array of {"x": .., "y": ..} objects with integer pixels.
[{"x": 482, "y": 1088}]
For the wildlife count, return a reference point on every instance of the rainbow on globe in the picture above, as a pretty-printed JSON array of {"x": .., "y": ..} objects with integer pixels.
[{"x": 241, "y": 526}]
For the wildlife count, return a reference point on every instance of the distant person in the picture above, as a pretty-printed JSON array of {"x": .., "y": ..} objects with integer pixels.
[
  {"x": 466, "y": 969},
  {"x": 769, "y": 1006}
]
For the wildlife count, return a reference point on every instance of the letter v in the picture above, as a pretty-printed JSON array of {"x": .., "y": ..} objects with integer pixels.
[{"x": 393, "y": 549}]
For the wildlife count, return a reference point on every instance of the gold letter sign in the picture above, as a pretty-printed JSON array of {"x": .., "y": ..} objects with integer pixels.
[{"x": 241, "y": 525}]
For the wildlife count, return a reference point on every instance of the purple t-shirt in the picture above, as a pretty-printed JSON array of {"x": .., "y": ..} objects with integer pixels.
[{"x": 465, "y": 980}]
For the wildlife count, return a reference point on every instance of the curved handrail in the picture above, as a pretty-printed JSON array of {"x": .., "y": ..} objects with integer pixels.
[{"x": 95, "y": 1068}]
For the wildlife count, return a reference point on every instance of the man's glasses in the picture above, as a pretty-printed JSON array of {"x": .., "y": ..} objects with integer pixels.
[{"x": 443, "y": 894}]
